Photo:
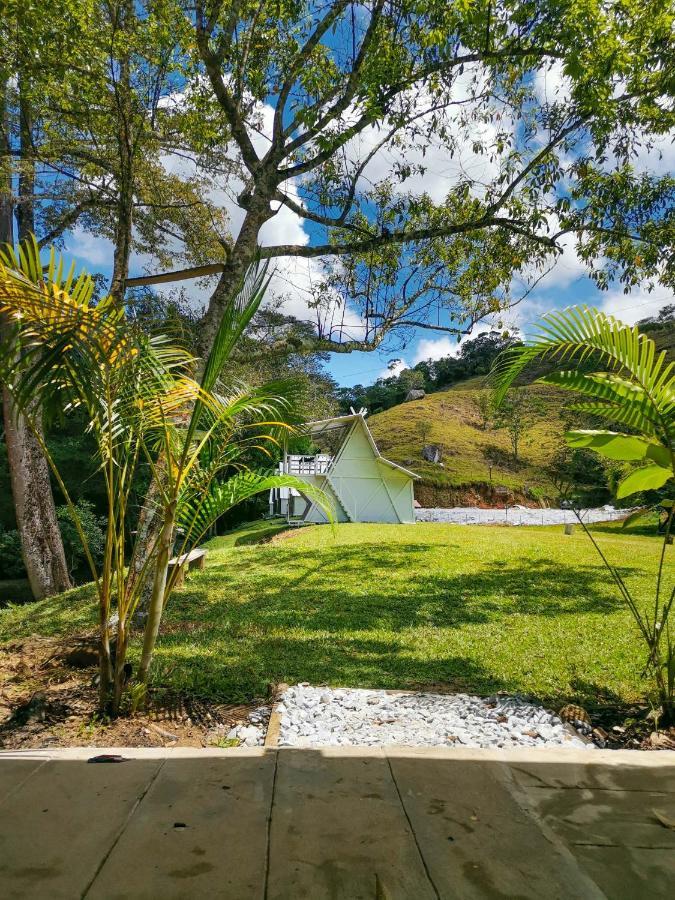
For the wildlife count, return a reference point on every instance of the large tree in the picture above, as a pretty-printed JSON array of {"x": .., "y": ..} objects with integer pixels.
[
  {"x": 85, "y": 142},
  {"x": 332, "y": 110}
]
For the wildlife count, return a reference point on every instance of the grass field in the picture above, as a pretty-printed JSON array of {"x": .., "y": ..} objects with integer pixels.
[
  {"x": 470, "y": 454},
  {"x": 483, "y": 608}
]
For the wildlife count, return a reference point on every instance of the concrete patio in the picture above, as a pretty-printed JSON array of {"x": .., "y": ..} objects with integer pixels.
[{"x": 382, "y": 824}]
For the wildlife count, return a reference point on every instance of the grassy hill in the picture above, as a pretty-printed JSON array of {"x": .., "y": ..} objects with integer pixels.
[{"x": 475, "y": 461}]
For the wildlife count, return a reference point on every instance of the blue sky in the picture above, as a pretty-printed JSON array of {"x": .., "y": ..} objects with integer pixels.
[{"x": 565, "y": 285}]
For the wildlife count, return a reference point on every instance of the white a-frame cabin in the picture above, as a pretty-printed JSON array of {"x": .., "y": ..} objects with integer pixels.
[{"x": 362, "y": 484}]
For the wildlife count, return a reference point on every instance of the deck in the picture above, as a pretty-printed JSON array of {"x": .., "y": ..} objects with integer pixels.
[{"x": 339, "y": 823}]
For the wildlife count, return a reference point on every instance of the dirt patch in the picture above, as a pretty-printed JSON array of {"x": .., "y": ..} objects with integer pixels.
[
  {"x": 48, "y": 698},
  {"x": 479, "y": 495}
]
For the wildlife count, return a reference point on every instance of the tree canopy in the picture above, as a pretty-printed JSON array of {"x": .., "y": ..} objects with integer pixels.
[
  {"x": 331, "y": 110},
  {"x": 438, "y": 156}
]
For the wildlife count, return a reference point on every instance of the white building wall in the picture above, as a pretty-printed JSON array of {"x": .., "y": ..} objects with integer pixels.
[{"x": 362, "y": 486}]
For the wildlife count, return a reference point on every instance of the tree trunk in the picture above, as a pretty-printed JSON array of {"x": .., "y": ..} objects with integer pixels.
[
  {"x": 125, "y": 174},
  {"x": 157, "y": 599},
  {"x": 243, "y": 254},
  {"x": 41, "y": 543}
]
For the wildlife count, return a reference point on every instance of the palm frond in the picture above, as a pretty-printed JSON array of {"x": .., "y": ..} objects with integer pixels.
[
  {"x": 638, "y": 390},
  {"x": 197, "y": 514}
]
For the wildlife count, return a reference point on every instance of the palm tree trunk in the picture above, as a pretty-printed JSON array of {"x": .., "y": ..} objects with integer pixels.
[
  {"x": 120, "y": 659},
  {"x": 156, "y": 607},
  {"x": 243, "y": 254},
  {"x": 105, "y": 666}
]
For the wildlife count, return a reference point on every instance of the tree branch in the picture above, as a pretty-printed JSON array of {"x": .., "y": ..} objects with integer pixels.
[
  {"x": 303, "y": 56},
  {"x": 403, "y": 237},
  {"x": 232, "y": 113}
]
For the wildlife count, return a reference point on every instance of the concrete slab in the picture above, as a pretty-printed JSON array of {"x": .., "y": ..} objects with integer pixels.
[
  {"x": 628, "y": 873},
  {"x": 611, "y": 771},
  {"x": 13, "y": 774},
  {"x": 337, "y": 823},
  {"x": 338, "y": 830},
  {"x": 608, "y": 818},
  {"x": 201, "y": 831},
  {"x": 611, "y": 832},
  {"x": 58, "y": 827},
  {"x": 475, "y": 839}
]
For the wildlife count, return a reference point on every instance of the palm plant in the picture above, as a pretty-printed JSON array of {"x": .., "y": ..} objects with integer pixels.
[
  {"x": 635, "y": 389},
  {"x": 143, "y": 405}
]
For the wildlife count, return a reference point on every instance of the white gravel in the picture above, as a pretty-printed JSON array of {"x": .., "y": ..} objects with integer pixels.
[
  {"x": 517, "y": 515},
  {"x": 252, "y": 732},
  {"x": 319, "y": 716}
]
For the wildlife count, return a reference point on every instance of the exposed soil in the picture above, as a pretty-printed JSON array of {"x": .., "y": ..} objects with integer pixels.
[
  {"x": 48, "y": 698},
  {"x": 482, "y": 496}
]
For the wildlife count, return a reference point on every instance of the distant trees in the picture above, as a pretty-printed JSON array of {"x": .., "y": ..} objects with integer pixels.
[
  {"x": 474, "y": 358},
  {"x": 517, "y": 412}
]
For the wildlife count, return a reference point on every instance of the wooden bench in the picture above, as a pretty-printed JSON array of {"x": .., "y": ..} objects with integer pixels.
[{"x": 193, "y": 560}]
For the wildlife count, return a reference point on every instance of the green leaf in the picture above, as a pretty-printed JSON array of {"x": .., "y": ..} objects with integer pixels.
[
  {"x": 637, "y": 516},
  {"x": 646, "y": 478},
  {"x": 614, "y": 445}
]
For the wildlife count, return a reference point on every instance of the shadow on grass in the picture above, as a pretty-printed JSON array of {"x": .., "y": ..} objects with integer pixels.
[
  {"x": 344, "y": 615},
  {"x": 648, "y": 529},
  {"x": 245, "y": 669},
  {"x": 353, "y": 587}
]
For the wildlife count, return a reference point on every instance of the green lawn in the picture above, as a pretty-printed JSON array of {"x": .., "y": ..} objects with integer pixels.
[{"x": 485, "y": 608}]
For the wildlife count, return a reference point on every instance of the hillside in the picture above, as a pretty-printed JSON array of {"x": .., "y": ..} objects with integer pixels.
[{"x": 475, "y": 461}]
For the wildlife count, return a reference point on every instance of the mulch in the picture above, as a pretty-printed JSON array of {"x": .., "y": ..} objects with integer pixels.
[{"x": 48, "y": 698}]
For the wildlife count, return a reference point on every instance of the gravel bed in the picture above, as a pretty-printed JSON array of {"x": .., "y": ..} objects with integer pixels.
[
  {"x": 517, "y": 515},
  {"x": 252, "y": 732},
  {"x": 319, "y": 716}
]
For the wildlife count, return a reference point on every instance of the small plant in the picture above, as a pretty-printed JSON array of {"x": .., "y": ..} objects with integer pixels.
[
  {"x": 636, "y": 390},
  {"x": 516, "y": 412},
  {"x": 136, "y": 695},
  {"x": 224, "y": 743},
  {"x": 485, "y": 410},
  {"x": 424, "y": 429},
  {"x": 89, "y": 727},
  {"x": 145, "y": 402}
]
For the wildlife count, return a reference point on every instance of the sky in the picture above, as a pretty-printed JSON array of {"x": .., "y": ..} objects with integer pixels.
[{"x": 566, "y": 285}]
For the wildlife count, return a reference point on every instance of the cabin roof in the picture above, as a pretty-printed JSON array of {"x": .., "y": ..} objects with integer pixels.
[{"x": 325, "y": 425}]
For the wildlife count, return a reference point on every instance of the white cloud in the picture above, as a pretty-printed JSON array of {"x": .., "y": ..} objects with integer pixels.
[
  {"x": 430, "y": 348},
  {"x": 394, "y": 368},
  {"x": 441, "y": 169},
  {"x": 630, "y": 308},
  {"x": 90, "y": 249},
  {"x": 438, "y": 348},
  {"x": 551, "y": 85},
  {"x": 660, "y": 159}
]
